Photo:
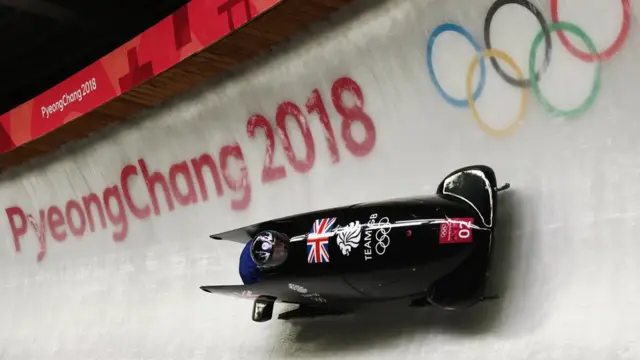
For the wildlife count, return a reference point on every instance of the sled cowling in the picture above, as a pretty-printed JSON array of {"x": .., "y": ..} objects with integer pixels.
[{"x": 476, "y": 186}]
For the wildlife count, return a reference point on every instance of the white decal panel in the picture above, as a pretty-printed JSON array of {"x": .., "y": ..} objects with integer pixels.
[
  {"x": 349, "y": 237},
  {"x": 306, "y": 294},
  {"x": 298, "y": 288},
  {"x": 376, "y": 237}
]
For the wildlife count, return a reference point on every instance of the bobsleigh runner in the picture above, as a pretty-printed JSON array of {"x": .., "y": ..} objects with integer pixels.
[{"x": 431, "y": 250}]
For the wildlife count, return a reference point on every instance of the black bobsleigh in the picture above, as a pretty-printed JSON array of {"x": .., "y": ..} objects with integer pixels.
[{"x": 431, "y": 250}]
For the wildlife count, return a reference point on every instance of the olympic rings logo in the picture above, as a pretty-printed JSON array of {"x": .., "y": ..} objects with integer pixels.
[
  {"x": 534, "y": 76},
  {"x": 383, "y": 241},
  {"x": 444, "y": 229}
]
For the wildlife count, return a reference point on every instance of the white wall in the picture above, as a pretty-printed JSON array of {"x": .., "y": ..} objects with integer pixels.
[{"x": 568, "y": 257}]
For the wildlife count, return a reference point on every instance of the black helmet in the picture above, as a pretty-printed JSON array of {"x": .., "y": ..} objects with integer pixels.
[{"x": 269, "y": 249}]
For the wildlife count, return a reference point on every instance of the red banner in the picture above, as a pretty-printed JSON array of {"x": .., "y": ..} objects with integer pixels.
[{"x": 191, "y": 28}]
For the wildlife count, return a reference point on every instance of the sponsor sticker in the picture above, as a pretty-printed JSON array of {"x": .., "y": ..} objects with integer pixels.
[
  {"x": 306, "y": 294},
  {"x": 315, "y": 297},
  {"x": 298, "y": 288},
  {"x": 456, "y": 231}
]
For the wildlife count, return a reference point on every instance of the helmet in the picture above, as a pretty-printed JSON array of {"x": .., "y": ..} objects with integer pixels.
[{"x": 269, "y": 249}]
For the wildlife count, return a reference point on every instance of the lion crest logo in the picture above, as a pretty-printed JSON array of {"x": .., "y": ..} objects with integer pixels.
[{"x": 349, "y": 237}]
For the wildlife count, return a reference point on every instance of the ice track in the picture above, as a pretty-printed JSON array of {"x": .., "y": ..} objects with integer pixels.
[{"x": 568, "y": 253}]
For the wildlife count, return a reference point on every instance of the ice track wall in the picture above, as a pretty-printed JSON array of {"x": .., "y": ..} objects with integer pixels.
[{"x": 103, "y": 249}]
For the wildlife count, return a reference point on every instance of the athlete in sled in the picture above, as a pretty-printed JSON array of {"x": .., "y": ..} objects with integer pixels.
[{"x": 431, "y": 250}]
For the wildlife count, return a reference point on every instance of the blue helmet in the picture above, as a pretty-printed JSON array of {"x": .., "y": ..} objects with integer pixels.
[
  {"x": 265, "y": 251},
  {"x": 269, "y": 249}
]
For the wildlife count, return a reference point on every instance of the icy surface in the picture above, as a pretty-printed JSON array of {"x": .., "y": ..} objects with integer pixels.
[{"x": 567, "y": 260}]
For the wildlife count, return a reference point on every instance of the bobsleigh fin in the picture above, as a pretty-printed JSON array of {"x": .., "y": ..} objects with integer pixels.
[{"x": 241, "y": 235}]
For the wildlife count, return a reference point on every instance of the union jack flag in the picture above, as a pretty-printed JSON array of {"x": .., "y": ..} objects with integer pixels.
[{"x": 318, "y": 241}]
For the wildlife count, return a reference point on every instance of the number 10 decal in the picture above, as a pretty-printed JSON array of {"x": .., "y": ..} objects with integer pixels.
[{"x": 315, "y": 104}]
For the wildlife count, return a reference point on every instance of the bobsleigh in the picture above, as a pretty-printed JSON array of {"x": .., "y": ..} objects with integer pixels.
[{"x": 432, "y": 250}]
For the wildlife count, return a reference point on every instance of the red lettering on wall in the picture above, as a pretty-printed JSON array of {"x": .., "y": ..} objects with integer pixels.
[
  {"x": 112, "y": 207},
  {"x": 350, "y": 115},
  {"x": 117, "y": 216},
  {"x": 270, "y": 172},
  {"x": 56, "y": 223},
  {"x": 127, "y": 172},
  {"x": 41, "y": 233},
  {"x": 152, "y": 181},
  {"x": 18, "y": 225},
  {"x": 181, "y": 170},
  {"x": 93, "y": 199},
  {"x": 315, "y": 104},
  {"x": 353, "y": 114},
  {"x": 199, "y": 163},
  {"x": 240, "y": 184},
  {"x": 72, "y": 210},
  {"x": 289, "y": 108}
]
